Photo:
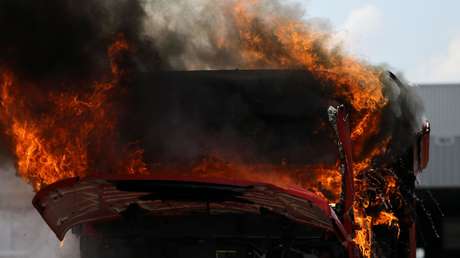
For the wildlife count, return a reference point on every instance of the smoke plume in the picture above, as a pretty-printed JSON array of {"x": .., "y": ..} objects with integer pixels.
[{"x": 59, "y": 47}]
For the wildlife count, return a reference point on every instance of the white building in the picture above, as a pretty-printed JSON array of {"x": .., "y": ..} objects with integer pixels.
[
  {"x": 442, "y": 104},
  {"x": 23, "y": 233}
]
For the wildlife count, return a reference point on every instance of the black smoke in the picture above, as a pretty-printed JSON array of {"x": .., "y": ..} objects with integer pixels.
[
  {"x": 64, "y": 40},
  {"x": 62, "y": 44}
]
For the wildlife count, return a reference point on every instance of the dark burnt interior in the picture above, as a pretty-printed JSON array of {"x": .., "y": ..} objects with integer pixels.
[
  {"x": 250, "y": 116},
  {"x": 205, "y": 236},
  {"x": 187, "y": 219}
]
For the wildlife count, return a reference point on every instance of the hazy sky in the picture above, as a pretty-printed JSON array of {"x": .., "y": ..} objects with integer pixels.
[{"x": 420, "y": 38}]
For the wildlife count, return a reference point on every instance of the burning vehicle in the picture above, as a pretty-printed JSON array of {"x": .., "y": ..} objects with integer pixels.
[
  {"x": 208, "y": 207},
  {"x": 148, "y": 142}
]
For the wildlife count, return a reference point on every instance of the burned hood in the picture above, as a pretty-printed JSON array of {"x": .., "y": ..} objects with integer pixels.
[{"x": 75, "y": 201}]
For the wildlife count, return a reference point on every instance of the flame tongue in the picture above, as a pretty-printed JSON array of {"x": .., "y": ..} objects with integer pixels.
[
  {"x": 279, "y": 42},
  {"x": 71, "y": 136},
  {"x": 294, "y": 45}
]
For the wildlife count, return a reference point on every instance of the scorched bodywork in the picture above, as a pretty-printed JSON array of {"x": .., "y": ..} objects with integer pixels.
[{"x": 171, "y": 217}]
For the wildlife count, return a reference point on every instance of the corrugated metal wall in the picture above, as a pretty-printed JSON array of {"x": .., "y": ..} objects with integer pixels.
[{"x": 442, "y": 104}]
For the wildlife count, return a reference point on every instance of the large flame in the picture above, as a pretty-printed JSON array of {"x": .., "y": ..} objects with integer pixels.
[
  {"x": 289, "y": 43},
  {"x": 72, "y": 134}
]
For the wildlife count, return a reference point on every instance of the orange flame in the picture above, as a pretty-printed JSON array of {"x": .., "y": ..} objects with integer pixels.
[
  {"x": 60, "y": 142},
  {"x": 284, "y": 43}
]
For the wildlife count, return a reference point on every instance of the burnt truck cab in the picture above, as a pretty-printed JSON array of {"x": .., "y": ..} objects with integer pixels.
[{"x": 171, "y": 216}]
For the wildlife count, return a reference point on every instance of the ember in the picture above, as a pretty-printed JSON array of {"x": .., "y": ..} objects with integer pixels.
[{"x": 61, "y": 126}]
